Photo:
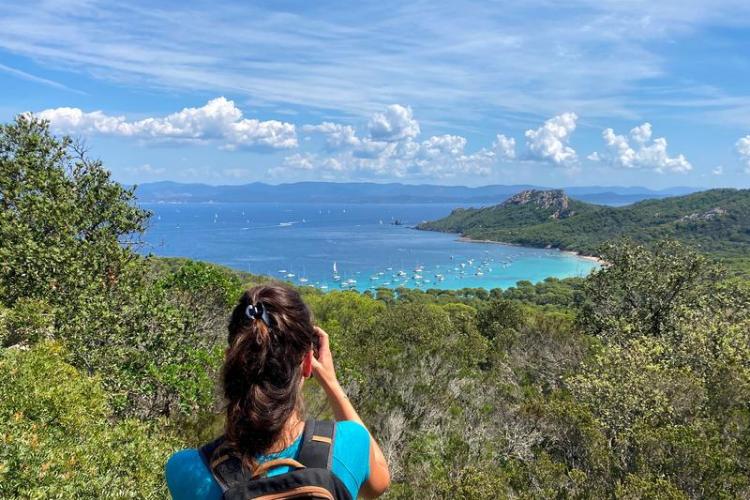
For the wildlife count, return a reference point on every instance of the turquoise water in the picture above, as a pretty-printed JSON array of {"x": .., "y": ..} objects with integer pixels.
[{"x": 301, "y": 242}]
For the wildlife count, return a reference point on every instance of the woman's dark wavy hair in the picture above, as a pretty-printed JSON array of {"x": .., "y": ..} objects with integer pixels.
[{"x": 261, "y": 374}]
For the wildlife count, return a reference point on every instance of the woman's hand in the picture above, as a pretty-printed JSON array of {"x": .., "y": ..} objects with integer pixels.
[
  {"x": 380, "y": 477},
  {"x": 323, "y": 368}
]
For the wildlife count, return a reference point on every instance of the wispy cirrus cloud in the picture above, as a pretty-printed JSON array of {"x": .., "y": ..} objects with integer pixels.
[
  {"x": 37, "y": 79},
  {"x": 465, "y": 59}
]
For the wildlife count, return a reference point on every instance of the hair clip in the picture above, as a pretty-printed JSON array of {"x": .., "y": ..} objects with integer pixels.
[{"x": 258, "y": 311}]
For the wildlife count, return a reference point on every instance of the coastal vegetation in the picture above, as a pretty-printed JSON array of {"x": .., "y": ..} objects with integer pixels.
[
  {"x": 631, "y": 383},
  {"x": 714, "y": 221}
]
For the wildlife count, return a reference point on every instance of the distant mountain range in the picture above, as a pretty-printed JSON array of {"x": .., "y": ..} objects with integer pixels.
[
  {"x": 715, "y": 221},
  {"x": 368, "y": 192}
]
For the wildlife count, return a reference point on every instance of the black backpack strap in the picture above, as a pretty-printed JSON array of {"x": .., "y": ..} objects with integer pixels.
[
  {"x": 316, "y": 451},
  {"x": 225, "y": 466}
]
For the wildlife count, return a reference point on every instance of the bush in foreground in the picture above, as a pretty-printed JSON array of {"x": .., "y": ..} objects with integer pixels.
[{"x": 60, "y": 438}]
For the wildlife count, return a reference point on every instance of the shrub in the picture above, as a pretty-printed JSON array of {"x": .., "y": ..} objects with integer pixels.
[{"x": 59, "y": 439}]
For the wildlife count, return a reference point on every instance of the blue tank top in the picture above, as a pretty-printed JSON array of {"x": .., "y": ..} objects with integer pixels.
[{"x": 188, "y": 477}]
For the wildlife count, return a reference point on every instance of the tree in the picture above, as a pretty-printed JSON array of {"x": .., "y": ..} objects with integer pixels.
[
  {"x": 645, "y": 291},
  {"x": 499, "y": 319},
  {"x": 66, "y": 228},
  {"x": 67, "y": 239}
]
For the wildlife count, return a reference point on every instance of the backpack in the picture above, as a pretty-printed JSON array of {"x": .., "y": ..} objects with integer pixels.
[{"x": 310, "y": 477}]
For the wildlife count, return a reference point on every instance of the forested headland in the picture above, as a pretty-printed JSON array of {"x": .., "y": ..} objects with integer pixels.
[
  {"x": 716, "y": 221},
  {"x": 631, "y": 383}
]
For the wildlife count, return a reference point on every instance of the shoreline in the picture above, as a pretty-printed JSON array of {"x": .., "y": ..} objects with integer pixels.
[{"x": 592, "y": 258}]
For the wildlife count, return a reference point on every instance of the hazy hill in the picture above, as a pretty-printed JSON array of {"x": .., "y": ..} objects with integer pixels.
[
  {"x": 716, "y": 221},
  {"x": 370, "y": 192}
]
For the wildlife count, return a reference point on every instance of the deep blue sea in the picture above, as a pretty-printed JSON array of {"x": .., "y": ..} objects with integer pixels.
[{"x": 333, "y": 246}]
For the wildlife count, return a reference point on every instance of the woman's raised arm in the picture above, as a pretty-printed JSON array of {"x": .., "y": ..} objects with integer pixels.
[{"x": 325, "y": 373}]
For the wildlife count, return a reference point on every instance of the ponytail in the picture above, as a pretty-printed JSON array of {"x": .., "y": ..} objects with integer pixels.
[{"x": 270, "y": 331}]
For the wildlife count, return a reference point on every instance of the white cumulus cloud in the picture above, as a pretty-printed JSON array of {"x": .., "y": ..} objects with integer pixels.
[
  {"x": 639, "y": 151},
  {"x": 325, "y": 167},
  {"x": 441, "y": 145},
  {"x": 337, "y": 136},
  {"x": 743, "y": 149},
  {"x": 550, "y": 141},
  {"x": 395, "y": 123},
  {"x": 504, "y": 147},
  {"x": 390, "y": 147},
  {"x": 147, "y": 170},
  {"x": 218, "y": 120},
  {"x": 300, "y": 161}
]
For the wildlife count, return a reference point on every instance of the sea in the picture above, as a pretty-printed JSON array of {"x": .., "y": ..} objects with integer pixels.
[{"x": 347, "y": 246}]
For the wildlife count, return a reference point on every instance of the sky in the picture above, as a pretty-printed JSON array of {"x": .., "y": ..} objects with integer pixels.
[{"x": 581, "y": 92}]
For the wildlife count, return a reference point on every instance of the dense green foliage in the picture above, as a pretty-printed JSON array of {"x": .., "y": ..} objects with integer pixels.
[
  {"x": 715, "y": 221},
  {"x": 631, "y": 383},
  {"x": 59, "y": 440},
  {"x": 552, "y": 294},
  {"x": 66, "y": 260}
]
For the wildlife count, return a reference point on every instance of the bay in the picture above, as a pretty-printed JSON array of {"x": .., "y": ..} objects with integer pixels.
[{"x": 371, "y": 245}]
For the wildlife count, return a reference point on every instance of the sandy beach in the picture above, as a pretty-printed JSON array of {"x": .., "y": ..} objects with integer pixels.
[{"x": 591, "y": 258}]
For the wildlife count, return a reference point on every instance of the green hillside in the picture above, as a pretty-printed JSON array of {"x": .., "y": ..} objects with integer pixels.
[{"x": 715, "y": 221}]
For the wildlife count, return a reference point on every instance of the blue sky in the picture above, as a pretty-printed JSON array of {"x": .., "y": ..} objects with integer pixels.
[{"x": 575, "y": 93}]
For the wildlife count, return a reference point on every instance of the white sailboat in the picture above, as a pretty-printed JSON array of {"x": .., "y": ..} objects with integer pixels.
[
  {"x": 350, "y": 283},
  {"x": 303, "y": 278}
]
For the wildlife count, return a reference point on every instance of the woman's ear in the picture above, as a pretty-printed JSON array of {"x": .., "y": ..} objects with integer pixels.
[{"x": 307, "y": 364}]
